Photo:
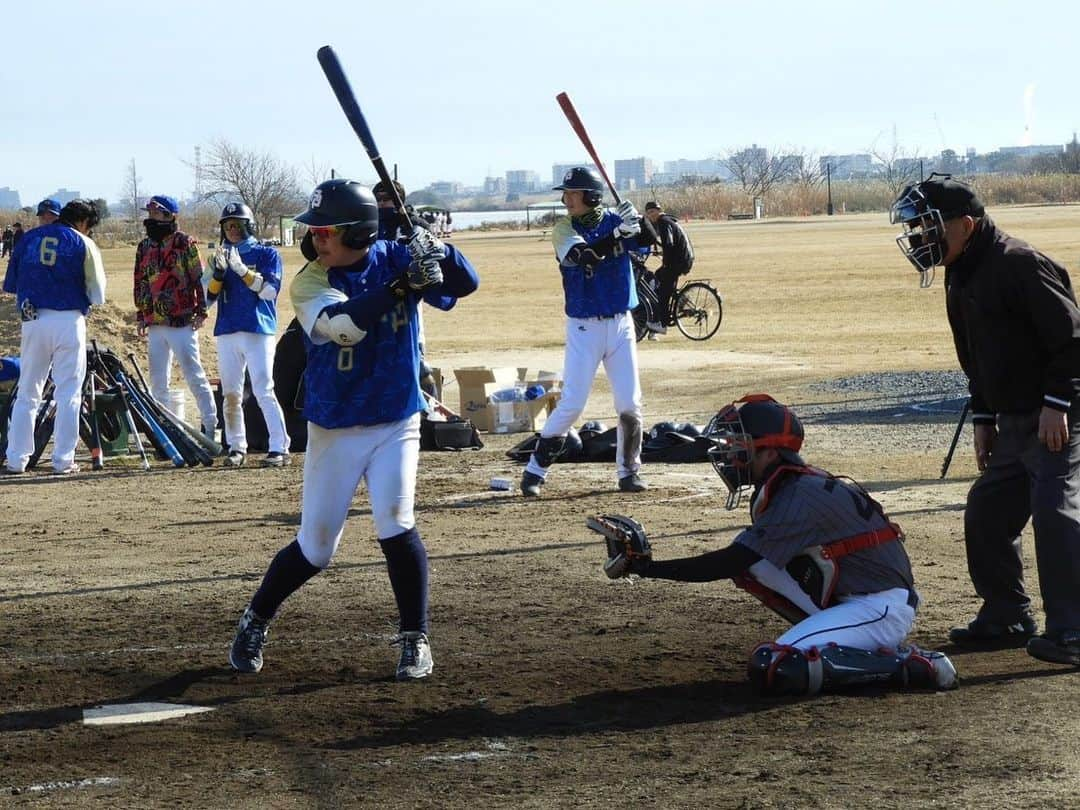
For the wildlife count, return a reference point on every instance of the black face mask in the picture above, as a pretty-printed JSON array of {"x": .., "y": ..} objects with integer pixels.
[{"x": 159, "y": 231}]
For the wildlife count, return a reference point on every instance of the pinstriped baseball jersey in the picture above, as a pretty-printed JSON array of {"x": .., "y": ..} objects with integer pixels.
[{"x": 813, "y": 509}]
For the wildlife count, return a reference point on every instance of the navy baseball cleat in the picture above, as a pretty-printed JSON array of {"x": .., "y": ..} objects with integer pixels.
[
  {"x": 530, "y": 484},
  {"x": 981, "y": 633},
  {"x": 415, "y": 662},
  {"x": 246, "y": 652},
  {"x": 632, "y": 483}
]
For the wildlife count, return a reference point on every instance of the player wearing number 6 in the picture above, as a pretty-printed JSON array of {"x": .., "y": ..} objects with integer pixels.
[
  {"x": 357, "y": 305},
  {"x": 56, "y": 274}
]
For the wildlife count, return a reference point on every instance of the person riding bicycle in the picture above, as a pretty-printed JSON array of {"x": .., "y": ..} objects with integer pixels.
[{"x": 677, "y": 257}]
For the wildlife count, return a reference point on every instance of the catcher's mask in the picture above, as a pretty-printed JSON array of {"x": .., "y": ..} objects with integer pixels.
[
  {"x": 756, "y": 421},
  {"x": 922, "y": 209}
]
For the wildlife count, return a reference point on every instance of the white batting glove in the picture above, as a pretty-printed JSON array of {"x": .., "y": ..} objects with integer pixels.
[
  {"x": 631, "y": 220},
  {"x": 235, "y": 263},
  {"x": 219, "y": 263},
  {"x": 424, "y": 247}
]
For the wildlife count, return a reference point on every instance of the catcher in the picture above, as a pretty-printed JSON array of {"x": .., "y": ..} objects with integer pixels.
[{"x": 819, "y": 551}]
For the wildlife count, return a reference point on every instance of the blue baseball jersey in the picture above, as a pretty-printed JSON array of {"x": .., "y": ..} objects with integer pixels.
[
  {"x": 56, "y": 267},
  {"x": 240, "y": 309},
  {"x": 377, "y": 379},
  {"x": 606, "y": 289}
]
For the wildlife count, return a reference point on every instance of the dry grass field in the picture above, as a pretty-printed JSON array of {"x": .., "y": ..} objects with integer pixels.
[{"x": 553, "y": 687}]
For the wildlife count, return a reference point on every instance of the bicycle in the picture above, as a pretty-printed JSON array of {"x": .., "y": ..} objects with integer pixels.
[{"x": 696, "y": 307}]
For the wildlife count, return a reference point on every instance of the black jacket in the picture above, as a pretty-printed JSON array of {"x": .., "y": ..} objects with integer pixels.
[
  {"x": 675, "y": 244},
  {"x": 1015, "y": 324}
]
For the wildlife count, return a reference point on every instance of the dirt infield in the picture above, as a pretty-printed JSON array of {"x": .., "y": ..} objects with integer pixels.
[{"x": 553, "y": 686}]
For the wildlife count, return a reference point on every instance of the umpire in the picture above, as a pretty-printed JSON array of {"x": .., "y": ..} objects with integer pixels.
[{"x": 1016, "y": 327}]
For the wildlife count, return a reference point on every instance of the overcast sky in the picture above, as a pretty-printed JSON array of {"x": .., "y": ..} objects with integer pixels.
[{"x": 458, "y": 90}]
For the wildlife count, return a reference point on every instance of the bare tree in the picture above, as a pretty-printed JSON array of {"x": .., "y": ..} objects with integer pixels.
[
  {"x": 899, "y": 167},
  {"x": 129, "y": 191},
  {"x": 756, "y": 171},
  {"x": 806, "y": 169},
  {"x": 316, "y": 171},
  {"x": 267, "y": 185}
]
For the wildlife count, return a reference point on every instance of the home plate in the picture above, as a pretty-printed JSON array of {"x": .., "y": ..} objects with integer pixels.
[{"x": 121, "y": 713}]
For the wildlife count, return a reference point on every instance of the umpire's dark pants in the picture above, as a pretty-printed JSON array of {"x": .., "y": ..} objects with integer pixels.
[
  {"x": 1024, "y": 480},
  {"x": 666, "y": 279}
]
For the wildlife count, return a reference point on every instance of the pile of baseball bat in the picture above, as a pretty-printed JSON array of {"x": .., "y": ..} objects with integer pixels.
[{"x": 169, "y": 436}]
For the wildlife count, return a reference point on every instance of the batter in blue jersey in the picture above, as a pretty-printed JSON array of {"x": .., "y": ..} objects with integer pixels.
[
  {"x": 244, "y": 280},
  {"x": 357, "y": 304}
]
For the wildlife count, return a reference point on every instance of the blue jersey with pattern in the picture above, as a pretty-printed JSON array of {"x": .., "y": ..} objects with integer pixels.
[
  {"x": 606, "y": 289},
  {"x": 240, "y": 309},
  {"x": 56, "y": 267},
  {"x": 376, "y": 380}
]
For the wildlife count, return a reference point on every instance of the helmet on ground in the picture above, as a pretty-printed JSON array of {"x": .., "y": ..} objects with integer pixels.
[
  {"x": 661, "y": 429},
  {"x": 344, "y": 202},
  {"x": 237, "y": 210},
  {"x": 572, "y": 447},
  {"x": 592, "y": 428},
  {"x": 582, "y": 178},
  {"x": 689, "y": 429},
  {"x": 755, "y": 422},
  {"x": 923, "y": 209}
]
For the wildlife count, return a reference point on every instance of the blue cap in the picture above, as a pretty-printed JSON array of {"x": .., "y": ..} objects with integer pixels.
[
  {"x": 48, "y": 206},
  {"x": 165, "y": 203}
]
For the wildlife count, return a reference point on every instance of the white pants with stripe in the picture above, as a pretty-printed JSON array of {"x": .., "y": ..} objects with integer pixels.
[
  {"x": 162, "y": 343},
  {"x": 590, "y": 342},
  {"x": 866, "y": 621},
  {"x": 56, "y": 340},
  {"x": 253, "y": 352},
  {"x": 384, "y": 456}
]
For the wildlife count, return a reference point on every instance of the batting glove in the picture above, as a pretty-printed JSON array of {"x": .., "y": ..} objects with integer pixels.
[
  {"x": 631, "y": 220},
  {"x": 424, "y": 247},
  {"x": 424, "y": 274},
  {"x": 236, "y": 264}
]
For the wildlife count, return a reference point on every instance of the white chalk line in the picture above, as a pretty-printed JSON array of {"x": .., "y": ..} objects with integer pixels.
[
  {"x": 97, "y": 781},
  {"x": 495, "y": 748}
]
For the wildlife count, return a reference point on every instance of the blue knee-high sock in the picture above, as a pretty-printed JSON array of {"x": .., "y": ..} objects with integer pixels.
[
  {"x": 288, "y": 571},
  {"x": 406, "y": 563}
]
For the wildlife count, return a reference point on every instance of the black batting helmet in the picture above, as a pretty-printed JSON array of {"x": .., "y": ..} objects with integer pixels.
[
  {"x": 582, "y": 178},
  {"x": 344, "y": 202},
  {"x": 237, "y": 210},
  {"x": 754, "y": 422}
]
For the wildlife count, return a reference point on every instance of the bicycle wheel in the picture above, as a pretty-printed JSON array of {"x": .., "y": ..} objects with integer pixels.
[{"x": 698, "y": 310}]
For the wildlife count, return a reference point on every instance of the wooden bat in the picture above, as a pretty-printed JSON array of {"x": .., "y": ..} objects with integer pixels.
[
  {"x": 339, "y": 83},
  {"x": 579, "y": 128}
]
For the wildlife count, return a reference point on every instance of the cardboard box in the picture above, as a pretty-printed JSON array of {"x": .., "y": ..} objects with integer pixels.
[{"x": 477, "y": 384}]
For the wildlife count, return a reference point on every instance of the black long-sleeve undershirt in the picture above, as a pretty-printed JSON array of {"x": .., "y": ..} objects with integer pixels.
[{"x": 723, "y": 563}]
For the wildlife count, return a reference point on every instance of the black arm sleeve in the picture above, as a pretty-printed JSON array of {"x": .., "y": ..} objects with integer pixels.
[
  {"x": 724, "y": 563},
  {"x": 648, "y": 235}
]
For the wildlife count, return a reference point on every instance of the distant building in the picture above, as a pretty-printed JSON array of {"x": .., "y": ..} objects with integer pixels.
[
  {"x": 9, "y": 198},
  {"x": 1032, "y": 150},
  {"x": 846, "y": 167},
  {"x": 559, "y": 170},
  {"x": 691, "y": 171},
  {"x": 446, "y": 188},
  {"x": 64, "y": 196},
  {"x": 633, "y": 173},
  {"x": 522, "y": 181},
  {"x": 494, "y": 186}
]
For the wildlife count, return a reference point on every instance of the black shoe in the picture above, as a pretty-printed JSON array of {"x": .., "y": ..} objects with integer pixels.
[
  {"x": 245, "y": 655},
  {"x": 981, "y": 633},
  {"x": 1061, "y": 649},
  {"x": 530, "y": 484},
  {"x": 277, "y": 459},
  {"x": 632, "y": 483}
]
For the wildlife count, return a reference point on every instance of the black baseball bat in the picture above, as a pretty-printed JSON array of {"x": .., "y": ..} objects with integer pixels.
[
  {"x": 955, "y": 438},
  {"x": 339, "y": 83},
  {"x": 583, "y": 135},
  {"x": 154, "y": 430},
  {"x": 96, "y": 460},
  {"x": 193, "y": 453}
]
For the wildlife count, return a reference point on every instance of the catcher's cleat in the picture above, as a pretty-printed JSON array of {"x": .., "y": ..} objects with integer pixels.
[
  {"x": 632, "y": 483},
  {"x": 415, "y": 662},
  {"x": 981, "y": 633},
  {"x": 235, "y": 459},
  {"x": 246, "y": 652},
  {"x": 277, "y": 459},
  {"x": 530, "y": 484}
]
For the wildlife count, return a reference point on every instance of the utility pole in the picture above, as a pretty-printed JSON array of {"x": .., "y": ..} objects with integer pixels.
[{"x": 828, "y": 184}]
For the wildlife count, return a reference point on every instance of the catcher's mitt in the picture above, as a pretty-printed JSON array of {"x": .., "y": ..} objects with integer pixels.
[{"x": 629, "y": 551}]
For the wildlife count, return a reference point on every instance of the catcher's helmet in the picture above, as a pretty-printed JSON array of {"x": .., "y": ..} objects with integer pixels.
[
  {"x": 344, "y": 202},
  {"x": 756, "y": 421},
  {"x": 582, "y": 178},
  {"x": 923, "y": 209},
  {"x": 237, "y": 210}
]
